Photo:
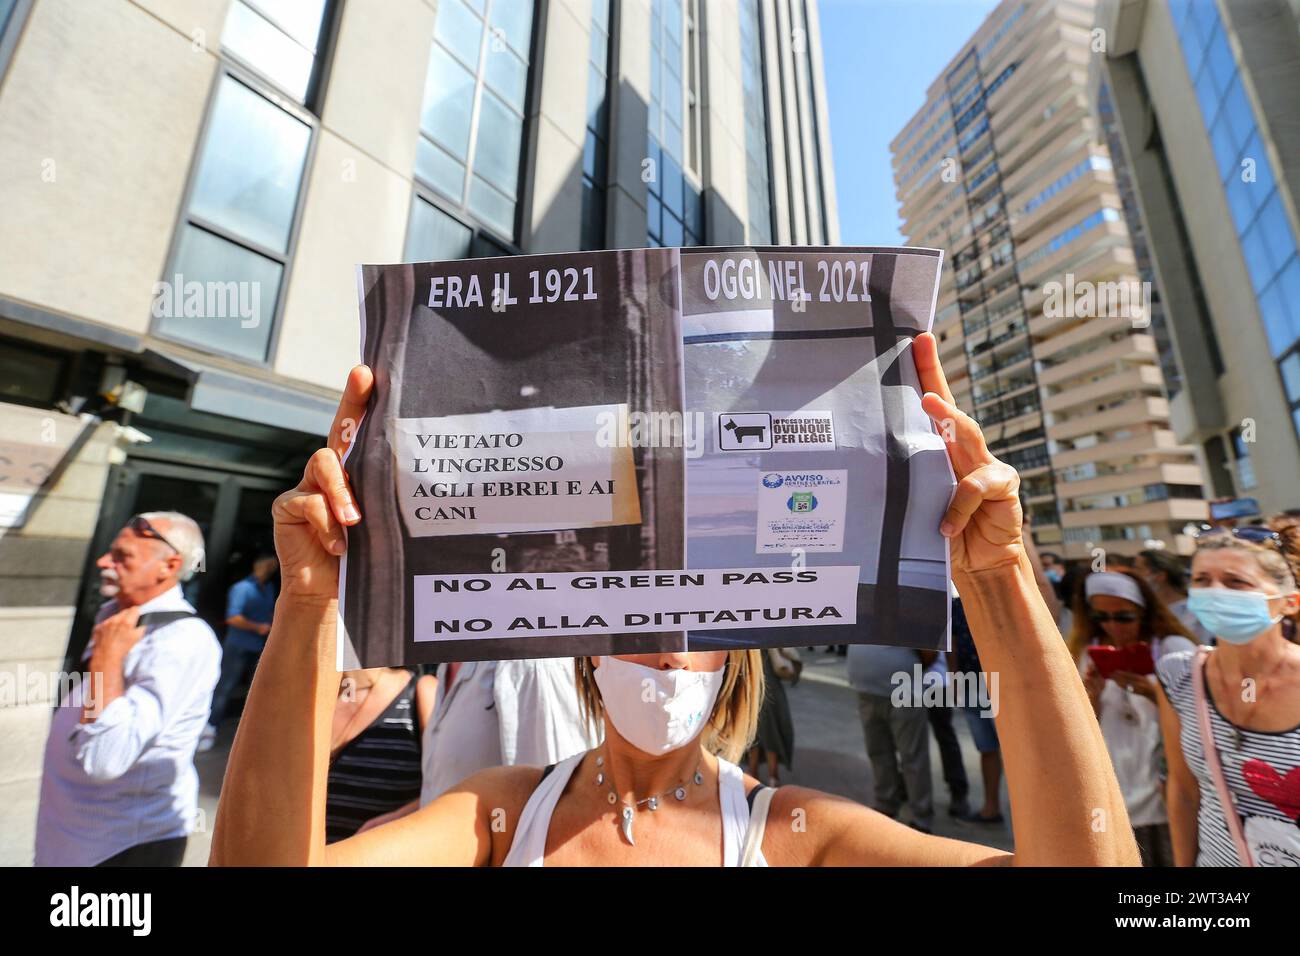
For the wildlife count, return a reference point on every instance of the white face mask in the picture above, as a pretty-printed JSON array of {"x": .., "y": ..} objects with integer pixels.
[{"x": 656, "y": 711}]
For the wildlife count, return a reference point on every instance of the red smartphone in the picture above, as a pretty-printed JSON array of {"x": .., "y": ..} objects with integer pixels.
[{"x": 1136, "y": 659}]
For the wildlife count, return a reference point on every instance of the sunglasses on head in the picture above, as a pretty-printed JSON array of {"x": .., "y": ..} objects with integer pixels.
[
  {"x": 144, "y": 529},
  {"x": 1254, "y": 534},
  {"x": 1119, "y": 617}
]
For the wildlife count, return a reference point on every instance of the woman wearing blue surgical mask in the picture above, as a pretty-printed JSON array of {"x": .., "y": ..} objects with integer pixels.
[
  {"x": 1231, "y": 716},
  {"x": 663, "y": 790}
]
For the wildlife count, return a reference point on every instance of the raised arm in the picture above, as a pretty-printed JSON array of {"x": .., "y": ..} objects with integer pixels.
[
  {"x": 272, "y": 809},
  {"x": 1066, "y": 805},
  {"x": 1054, "y": 606}
]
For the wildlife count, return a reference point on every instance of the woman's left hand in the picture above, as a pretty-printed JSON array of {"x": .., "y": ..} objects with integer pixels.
[{"x": 1136, "y": 683}]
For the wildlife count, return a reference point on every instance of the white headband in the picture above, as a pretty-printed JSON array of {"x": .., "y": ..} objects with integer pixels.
[{"x": 1115, "y": 585}]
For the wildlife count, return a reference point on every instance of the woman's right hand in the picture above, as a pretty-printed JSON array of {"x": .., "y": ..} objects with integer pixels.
[
  {"x": 309, "y": 519},
  {"x": 984, "y": 520}
]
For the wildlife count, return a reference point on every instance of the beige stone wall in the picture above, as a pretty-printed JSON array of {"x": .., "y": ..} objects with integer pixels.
[
  {"x": 356, "y": 212},
  {"x": 358, "y": 192},
  {"x": 723, "y": 122},
  {"x": 553, "y": 195},
  {"x": 99, "y": 112},
  {"x": 629, "y": 119}
]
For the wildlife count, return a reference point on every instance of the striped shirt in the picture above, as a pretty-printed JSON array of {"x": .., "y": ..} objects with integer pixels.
[
  {"x": 377, "y": 771},
  {"x": 1237, "y": 746}
]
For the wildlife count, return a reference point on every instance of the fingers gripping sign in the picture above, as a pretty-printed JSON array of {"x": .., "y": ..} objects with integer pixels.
[
  {"x": 352, "y": 408},
  {"x": 983, "y": 521},
  {"x": 309, "y": 519}
]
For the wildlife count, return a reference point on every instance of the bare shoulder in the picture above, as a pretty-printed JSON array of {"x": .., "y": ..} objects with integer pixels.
[
  {"x": 807, "y": 827},
  {"x": 466, "y": 826},
  {"x": 802, "y": 822},
  {"x": 505, "y": 784},
  {"x": 500, "y": 795}
]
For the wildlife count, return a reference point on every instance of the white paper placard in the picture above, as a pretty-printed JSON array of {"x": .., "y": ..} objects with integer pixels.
[
  {"x": 532, "y": 469},
  {"x": 453, "y": 606},
  {"x": 802, "y": 510}
]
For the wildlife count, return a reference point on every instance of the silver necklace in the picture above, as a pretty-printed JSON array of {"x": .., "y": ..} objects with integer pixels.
[{"x": 651, "y": 803}]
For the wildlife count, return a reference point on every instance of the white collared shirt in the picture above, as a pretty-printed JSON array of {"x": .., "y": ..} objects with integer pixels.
[
  {"x": 502, "y": 713},
  {"x": 128, "y": 777}
]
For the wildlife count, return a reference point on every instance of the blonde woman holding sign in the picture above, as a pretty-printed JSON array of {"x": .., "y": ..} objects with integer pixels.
[{"x": 662, "y": 789}]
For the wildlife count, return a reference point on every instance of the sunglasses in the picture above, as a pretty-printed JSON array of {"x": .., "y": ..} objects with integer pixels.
[
  {"x": 1119, "y": 617},
  {"x": 1254, "y": 534},
  {"x": 144, "y": 529}
]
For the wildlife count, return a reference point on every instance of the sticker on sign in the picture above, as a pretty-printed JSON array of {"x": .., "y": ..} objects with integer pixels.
[{"x": 776, "y": 431}]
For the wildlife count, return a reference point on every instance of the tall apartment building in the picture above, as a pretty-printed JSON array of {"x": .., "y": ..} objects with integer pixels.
[
  {"x": 1043, "y": 330},
  {"x": 1203, "y": 98},
  {"x": 263, "y": 148}
]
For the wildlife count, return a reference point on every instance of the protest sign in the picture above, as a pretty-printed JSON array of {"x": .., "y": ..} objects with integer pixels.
[{"x": 644, "y": 451}]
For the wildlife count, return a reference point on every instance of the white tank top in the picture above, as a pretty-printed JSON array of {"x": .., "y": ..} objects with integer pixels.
[{"x": 529, "y": 845}]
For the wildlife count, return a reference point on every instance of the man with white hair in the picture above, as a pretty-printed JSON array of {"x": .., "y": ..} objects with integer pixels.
[{"x": 119, "y": 786}]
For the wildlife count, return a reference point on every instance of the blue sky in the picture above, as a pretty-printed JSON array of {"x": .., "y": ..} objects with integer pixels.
[{"x": 879, "y": 57}]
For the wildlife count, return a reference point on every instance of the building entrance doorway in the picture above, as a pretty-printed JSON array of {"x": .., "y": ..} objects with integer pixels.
[{"x": 233, "y": 510}]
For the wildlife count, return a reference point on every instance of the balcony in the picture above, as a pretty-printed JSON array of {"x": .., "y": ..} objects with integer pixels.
[
  {"x": 1128, "y": 413},
  {"x": 1078, "y": 194},
  {"x": 1035, "y": 83},
  {"x": 1005, "y": 390},
  {"x": 1178, "y": 510},
  {"x": 1076, "y": 339},
  {"x": 953, "y": 348},
  {"x": 1082, "y": 248},
  {"x": 1021, "y": 135},
  {"x": 1129, "y": 348},
  {"x": 1008, "y": 440},
  {"x": 1048, "y": 536},
  {"x": 1133, "y": 378},
  {"x": 1082, "y": 550},
  {"x": 1110, "y": 264},
  {"x": 1156, "y": 441},
  {"x": 1171, "y": 473},
  {"x": 1014, "y": 334}
]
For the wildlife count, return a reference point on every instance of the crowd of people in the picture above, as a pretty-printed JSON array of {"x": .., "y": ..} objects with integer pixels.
[{"x": 1162, "y": 694}]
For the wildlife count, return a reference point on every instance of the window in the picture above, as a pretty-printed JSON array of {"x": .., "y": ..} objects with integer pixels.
[
  {"x": 472, "y": 123},
  {"x": 757, "y": 158},
  {"x": 1060, "y": 241},
  {"x": 674, "y": 206},
  {"x": 1264, "y": 231},
  {"x": 434, "y": 236},
  {"x": 278, "y": 39},
  {"x": 231, "y": 251},
  {"x": 12, "y": 15},
  {"x": 32, "y": 374},
  {"x": 595, "y": 148}
]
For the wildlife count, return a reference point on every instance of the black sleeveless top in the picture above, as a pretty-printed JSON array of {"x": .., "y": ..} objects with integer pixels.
[{"x": 377, "y": 771}]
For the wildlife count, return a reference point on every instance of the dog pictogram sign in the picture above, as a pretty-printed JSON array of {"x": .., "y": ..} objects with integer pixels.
[{"x": 745, "y": 431}]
